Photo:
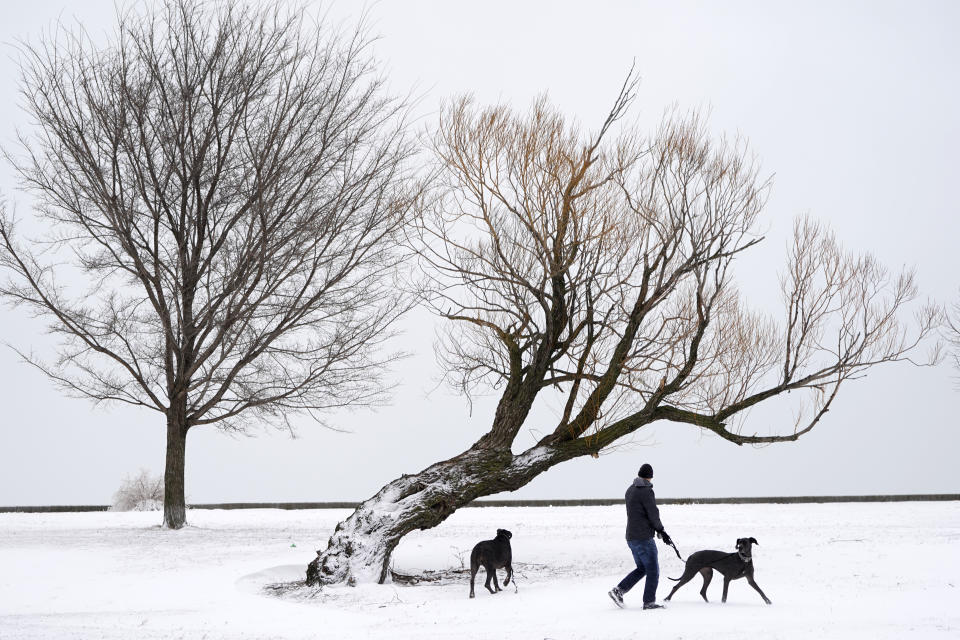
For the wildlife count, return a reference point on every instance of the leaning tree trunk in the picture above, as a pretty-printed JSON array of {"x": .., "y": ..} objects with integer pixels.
[
  {"x": 174, "y": 503},
  {"x": 361, "y": 545}
]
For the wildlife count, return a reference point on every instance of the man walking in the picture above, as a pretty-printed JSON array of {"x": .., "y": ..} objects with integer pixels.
[{"x": 643, "y": 520}]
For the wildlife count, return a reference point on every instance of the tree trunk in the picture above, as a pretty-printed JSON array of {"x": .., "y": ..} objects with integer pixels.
[
  {"x": 361, "y": 545},
  {"x": 174, "y": 503}
]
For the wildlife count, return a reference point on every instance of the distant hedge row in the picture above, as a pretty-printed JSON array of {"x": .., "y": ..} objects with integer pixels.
[{"x": 587, "y": 502}]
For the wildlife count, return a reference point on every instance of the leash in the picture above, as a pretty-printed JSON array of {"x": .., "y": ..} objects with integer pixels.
[{"x": 676, "y": 551}]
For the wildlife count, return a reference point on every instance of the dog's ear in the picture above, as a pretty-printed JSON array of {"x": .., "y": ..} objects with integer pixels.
[
  {"x": 737, "y": 543},
  {"x": 754, "y": 541}
]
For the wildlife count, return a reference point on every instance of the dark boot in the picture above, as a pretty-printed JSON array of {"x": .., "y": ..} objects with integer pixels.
[{"x": 617, "y": 596}]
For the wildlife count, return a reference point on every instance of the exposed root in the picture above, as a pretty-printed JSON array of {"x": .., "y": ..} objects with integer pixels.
[
  {"x": 294, "y": 590},
  {"x": 523, "y": 570},
  {"x": 441, "y": 577}
]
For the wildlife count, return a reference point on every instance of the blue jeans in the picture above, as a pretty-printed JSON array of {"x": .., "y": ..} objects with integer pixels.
[{"x": 645, "y": 555}]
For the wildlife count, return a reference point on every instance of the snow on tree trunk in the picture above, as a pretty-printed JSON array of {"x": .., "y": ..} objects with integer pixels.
[{"x": 361, "y": 545}]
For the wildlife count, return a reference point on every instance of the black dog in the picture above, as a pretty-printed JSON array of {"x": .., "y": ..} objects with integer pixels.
[
  {"x": 492, "y": 554},
  {"x": 731, "y": 565}
]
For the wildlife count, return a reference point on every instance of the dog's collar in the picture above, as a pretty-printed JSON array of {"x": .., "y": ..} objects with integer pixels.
[{"x": 744, "y": 558}]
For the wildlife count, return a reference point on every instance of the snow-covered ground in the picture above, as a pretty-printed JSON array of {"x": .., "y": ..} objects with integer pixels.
[{"x": 833, "y": 571}]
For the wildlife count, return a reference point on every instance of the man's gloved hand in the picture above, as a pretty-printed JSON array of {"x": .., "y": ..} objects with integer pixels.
[{"x": 664, "y": 536}]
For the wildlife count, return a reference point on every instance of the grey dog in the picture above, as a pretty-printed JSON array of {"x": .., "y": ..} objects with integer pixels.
[
  {"x": 492, "y": 555},
  {"x": 732, "y": 565}
]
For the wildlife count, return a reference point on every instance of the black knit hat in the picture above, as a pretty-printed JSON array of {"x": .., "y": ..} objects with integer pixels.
[{"x": 646, "y": 471}]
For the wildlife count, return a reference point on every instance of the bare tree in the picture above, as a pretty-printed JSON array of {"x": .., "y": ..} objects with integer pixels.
[
  {"x": 224, "y": 188},
  {"x": 597, "y": 274}
]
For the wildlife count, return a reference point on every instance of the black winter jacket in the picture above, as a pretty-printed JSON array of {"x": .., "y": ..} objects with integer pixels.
[{"x": 643, "y": 517}]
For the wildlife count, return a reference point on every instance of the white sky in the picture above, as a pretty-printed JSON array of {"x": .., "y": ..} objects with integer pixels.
[{"x": 853, "y": 106}]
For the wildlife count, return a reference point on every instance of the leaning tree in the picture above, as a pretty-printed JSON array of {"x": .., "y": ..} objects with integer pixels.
[
  {"x": 595, "y": 270},
  {"x": 224, "y": 188}
]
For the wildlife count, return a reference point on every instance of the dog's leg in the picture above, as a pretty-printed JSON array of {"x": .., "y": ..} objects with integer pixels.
[
  {"x": 726, "y": 584},
  {"x": 490, "y": 576},
  {"x": 755, "y": 586},
  {"x": 473, "y": 576},
  {"x": 509, "y": 569},
  {"x": 684, "y": 579},
  {"x": 707, "y": 574},
  {"x": 496, "y": 585}
]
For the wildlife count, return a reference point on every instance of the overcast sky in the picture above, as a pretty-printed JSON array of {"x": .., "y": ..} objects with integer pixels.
[{"x": 853, "y": 106}]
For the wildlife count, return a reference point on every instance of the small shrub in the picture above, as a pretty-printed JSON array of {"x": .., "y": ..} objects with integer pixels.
[{"x": 143, "y": 492}]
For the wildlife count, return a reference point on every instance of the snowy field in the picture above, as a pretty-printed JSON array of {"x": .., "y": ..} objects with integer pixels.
[{"x": 832, "y": 571}]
